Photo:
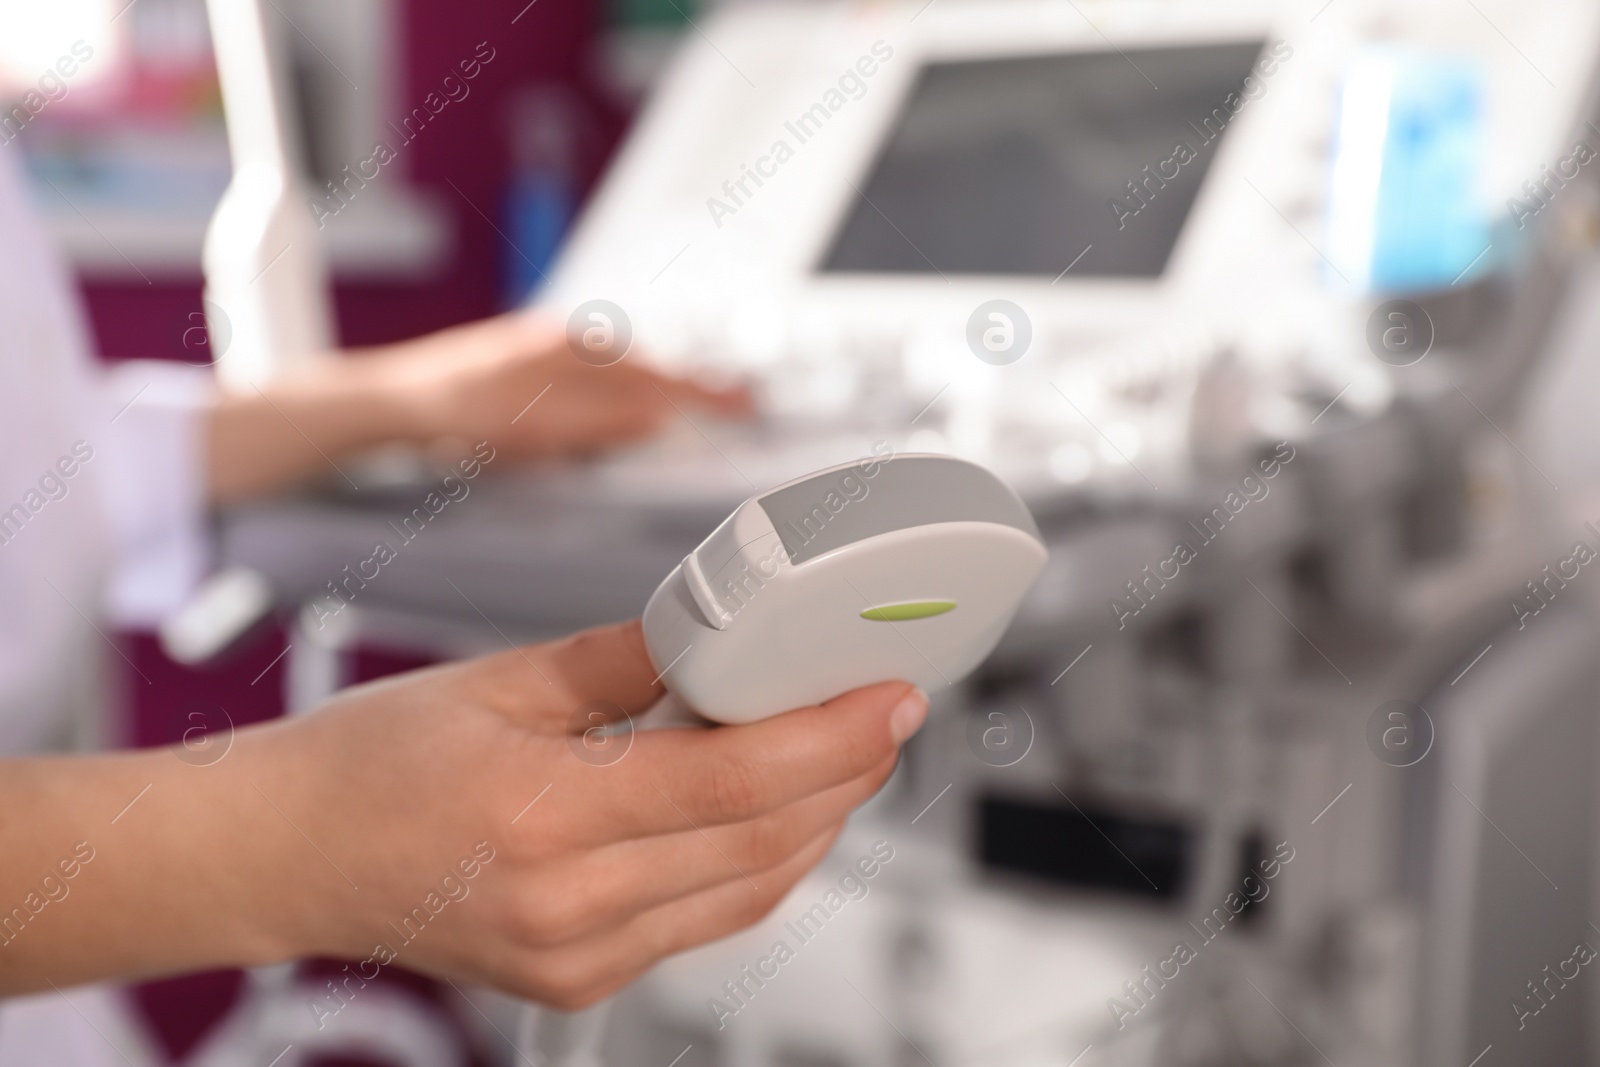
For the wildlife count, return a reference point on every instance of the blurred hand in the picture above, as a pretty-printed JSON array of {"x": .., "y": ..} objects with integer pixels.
[
  {"x": 511, "y": 380},
  {"x": 476, "y": 382},
  {"x": 690, "y": 836}
]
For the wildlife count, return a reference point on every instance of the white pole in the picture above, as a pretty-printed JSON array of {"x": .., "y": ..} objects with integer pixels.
[{"x": 264, "y": 271}]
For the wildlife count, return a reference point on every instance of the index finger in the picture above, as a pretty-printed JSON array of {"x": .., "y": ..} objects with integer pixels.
[
  {"x": 674, "y": 780},
  {"x": 542, "y": 685}
]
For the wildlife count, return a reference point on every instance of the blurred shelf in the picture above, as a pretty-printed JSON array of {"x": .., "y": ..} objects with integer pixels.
[{"x": 382, "y": 234}]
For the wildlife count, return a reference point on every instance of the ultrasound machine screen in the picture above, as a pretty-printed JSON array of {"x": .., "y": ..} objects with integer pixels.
[{"x": 1019, "y": 165}]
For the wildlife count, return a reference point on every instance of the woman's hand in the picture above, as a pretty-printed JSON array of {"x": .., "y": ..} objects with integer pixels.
[
  {"x": 686, "y": 838},
  {"x": 513, "y": 380},
  {"x": 516, "y": 381},
  {"x": 446, "y": 822}
]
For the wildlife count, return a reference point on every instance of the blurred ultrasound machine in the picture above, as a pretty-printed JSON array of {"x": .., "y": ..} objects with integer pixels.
[{"x": 1245, "y": 300}]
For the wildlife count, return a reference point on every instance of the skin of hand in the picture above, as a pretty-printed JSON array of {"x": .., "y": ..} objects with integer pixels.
[
  {"x": 320, "y": 836},
  {"x": 447, "y": 391}
]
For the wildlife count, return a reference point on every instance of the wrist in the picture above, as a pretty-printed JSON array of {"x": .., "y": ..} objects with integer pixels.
[
  {"x": 293, "y": 899},
  {"x": 235, "y": 856},
  {"x": 226, "y": 844},
  {"x": 405, "y": 398},
  {"x": 374, "y": 402},
  {"x": 264, "y": 439},
  {"x": 152, "y": 864}
]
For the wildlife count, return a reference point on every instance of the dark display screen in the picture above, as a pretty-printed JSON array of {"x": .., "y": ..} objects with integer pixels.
[{"x": 1017, "y": 165}]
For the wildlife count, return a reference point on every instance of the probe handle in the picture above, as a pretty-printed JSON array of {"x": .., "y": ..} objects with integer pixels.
[{"x": 552, "y": 1038}]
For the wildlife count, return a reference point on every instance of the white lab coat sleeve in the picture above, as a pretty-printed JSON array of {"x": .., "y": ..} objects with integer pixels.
[{"x": 152, "y": 474}]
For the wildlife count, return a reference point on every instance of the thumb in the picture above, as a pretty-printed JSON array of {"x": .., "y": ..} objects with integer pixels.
[{"x": 606, "y": 664}]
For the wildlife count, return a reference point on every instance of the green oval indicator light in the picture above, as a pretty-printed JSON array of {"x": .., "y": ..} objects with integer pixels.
[{"x": 916, "y": 609}]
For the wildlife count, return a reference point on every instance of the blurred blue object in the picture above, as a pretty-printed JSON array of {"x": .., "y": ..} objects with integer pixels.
[
  {"x": 541, "y": 193},
  {"x": 538, "y": 209},
  {"x": 1405, "y": 210}
]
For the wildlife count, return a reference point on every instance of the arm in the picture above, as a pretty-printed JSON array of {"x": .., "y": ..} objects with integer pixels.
[
  {"x": 468, "y": 383},
  {"x": 326, "y": 835}
]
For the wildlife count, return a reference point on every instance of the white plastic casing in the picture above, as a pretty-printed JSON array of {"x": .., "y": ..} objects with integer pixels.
[{"x": 746, "y": 627}]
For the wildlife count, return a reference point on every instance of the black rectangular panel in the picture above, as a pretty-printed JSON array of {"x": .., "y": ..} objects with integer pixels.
[
  {"x": 1086, "y": 847},
  {"x": 1014, "y": 165}
]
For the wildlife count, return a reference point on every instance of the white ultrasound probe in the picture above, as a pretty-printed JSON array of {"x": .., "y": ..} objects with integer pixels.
[
  {"x": 904, "y": 568},
  {"x": 908, "y": 568}
]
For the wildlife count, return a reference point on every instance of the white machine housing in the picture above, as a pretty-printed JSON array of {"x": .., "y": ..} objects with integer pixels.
[
  {"x": 749, "y": 287},
  {"x": 905, "y": 568}
]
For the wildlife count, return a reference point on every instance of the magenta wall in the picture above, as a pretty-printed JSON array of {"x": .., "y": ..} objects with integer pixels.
[{"x": 552, "y": 40}]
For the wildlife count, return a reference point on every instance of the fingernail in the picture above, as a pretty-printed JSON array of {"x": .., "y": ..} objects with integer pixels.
[{"x": 906, "y": 718}]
